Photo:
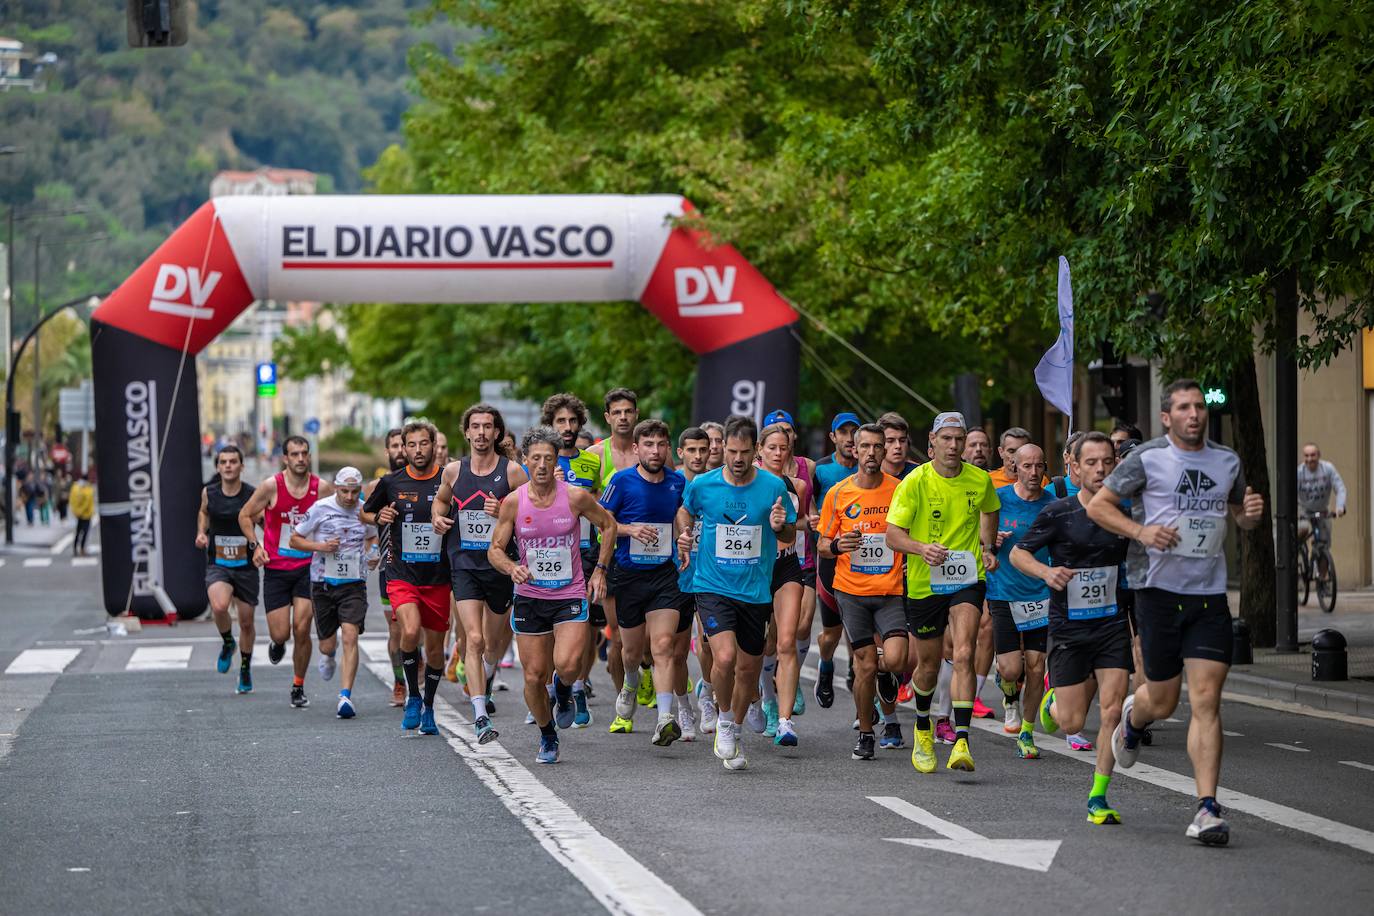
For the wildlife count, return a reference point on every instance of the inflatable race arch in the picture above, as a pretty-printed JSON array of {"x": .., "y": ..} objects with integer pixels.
[{"x": 422, "y": 249}]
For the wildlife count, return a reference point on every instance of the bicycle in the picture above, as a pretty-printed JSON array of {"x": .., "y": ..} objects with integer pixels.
[{"x": 1312, "y": 550}]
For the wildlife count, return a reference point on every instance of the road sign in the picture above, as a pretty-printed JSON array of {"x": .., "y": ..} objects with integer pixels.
[
  {"x": 312, "y": 426},
  {"x": 266, "y": 374},
  {"x": 76, "y": 408},
  {"x": 1033, "y": 855}
]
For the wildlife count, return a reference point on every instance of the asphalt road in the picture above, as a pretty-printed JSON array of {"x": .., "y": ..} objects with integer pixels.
[{"x": 161, "y": 791}]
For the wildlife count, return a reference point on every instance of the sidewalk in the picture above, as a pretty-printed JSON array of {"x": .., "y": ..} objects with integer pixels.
[
  {"x": 40, "y": 538},
  {"x": 1287, "y": 677}
]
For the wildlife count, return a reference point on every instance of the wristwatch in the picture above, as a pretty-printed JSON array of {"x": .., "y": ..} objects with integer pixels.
[
  {"x": 252, "y": 547},
  {"x": 602, "y": 567}
]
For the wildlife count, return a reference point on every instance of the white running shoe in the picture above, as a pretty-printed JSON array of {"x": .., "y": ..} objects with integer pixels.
[
  {"x": 1125, "y": 756},
  {"x": 687, "y": 722},
  {"x": 625, "y": 702},
  {"x": 1011, "y": 724},
  {"x": 709, "y": 715},
  {"x": 755, "y": 719},
  {"x": 327, "y": 666},
  {"x": 727, "y": 742}
]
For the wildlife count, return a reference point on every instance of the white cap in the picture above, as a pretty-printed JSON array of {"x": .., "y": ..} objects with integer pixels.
[
  {"x": 948, "y": 418},
  {"x": 348, "y": 476}
]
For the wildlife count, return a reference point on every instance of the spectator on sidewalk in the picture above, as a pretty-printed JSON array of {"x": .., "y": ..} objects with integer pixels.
[{"x": 83, "y": 510}]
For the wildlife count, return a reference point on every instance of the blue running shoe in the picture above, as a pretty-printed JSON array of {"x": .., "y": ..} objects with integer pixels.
[
  {"x": 226, "y": 655},
  {"x": 245, "y": 680},
  {"x": 548, "y": 749},
  {"x": 564, "y": 712},
  {"x": 799, "y": 704},
  {"x": 891, "y": 736},
  {"x": 584, "y": 715},
  {"x": 345, "y": 710},
  {"x": 427, "y": 724},
  {"x": 770, "y": 715},
  {"x": 412, "y": 716}
]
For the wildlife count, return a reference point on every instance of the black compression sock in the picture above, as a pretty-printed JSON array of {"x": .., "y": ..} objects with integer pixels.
[
  {"x": 548, "y": 730},
  {"x": 432, "y": 678},
  {"x": 227, "y": 636},
  {"x": 561, "y": 690},
  {"x": 245, "y": 659},
  {"x": 923, "y": 698},
  {"x": 410, "y": 662}
]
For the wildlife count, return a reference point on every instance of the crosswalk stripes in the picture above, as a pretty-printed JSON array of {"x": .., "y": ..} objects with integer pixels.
[
  {"x": 119, "y": 657},
  {"x": 42, "y": 661},
  {"x": 31, "y": 562}
]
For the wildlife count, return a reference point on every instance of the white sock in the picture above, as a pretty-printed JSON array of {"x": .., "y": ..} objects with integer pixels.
[
  {"x": 479, "y": 706},
  {"x": 978, "y": 691},
  {"x": 683, "y": 702},
  {"x": 803, "y": 647},
  {"x": 665, "y": 702},
  {"x": 767, "y": 686},
  {"x": 489, "y": 668},
  {"x": 727, "y": 717},
  {"x": 707, "y": 693},
  {"x": 579, "y": 685},
  {"x": 632, "y": 678},
  {"x": 946, "y": 704}
]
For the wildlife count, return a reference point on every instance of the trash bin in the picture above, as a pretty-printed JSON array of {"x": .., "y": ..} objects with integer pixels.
[
  {"x": 1241, "y": 651},
  {"x": 1328, "y": 656}
]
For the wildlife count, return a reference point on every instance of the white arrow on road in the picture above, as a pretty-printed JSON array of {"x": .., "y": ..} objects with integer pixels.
[{"x": 1035, "y": 855}]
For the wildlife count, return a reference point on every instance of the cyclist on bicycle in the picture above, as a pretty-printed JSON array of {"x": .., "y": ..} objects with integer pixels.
[{"x": 1317, "y": 480}]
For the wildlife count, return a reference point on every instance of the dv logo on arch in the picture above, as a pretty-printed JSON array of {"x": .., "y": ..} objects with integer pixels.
[
  {"x": 183, "y": 291},
  {"x": 704, "y": 292}
]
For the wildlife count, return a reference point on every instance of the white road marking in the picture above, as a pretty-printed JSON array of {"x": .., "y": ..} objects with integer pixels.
[
  {"x": 159, "y": 658},
  {"x": 1358, "y": 765},
  {"x": 1232, "y": 734},
  {"x": 1288, "y": 747},
  {"x": 85, "y": 561},
  {"x": 42, "y": 661},
  {"x": 63, "y": 543},
  {"x": 375, "y": 649},
  {"x": 31, "y": 562},
  {"x": 2, "y": 562},
  {"x": 1035, "y": 855},
  {"x": 614, "y": 877},
  {"x": 77, "y": 868}
]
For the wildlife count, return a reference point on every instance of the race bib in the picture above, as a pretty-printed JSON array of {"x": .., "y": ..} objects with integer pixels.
[
  {"x": 873, "y": 557},
  {"x": 1200, "y": 536},
  {"x": 653, "y": 554},
  {"x": 343, "y": 566},
  {"x": 696, "y": 536},
  {"x": 586, "y": 533},
  {"x": 474, "y": 529},
  {"x": 1092, "y": 593},
  {"x": 1030, "y": 615},
  {"x": 550, "y": 567},
  {"x": 738, "y": 545},
  {"x": 231, "y": 550},
  {"x": 284, "y": 541},
  {"x": 418, "y": 543},
  {"x": 959, "y": 570}
]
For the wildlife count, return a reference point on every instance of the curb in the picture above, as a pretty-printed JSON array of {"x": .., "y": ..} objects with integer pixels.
[{"x": 1323, "y": 698}]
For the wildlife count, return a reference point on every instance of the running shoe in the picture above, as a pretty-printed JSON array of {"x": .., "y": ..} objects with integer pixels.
[
  {"x": 587, "y": 685},
  {"x": 709, "y": 715},
  {"x": 298, "y": 697},
  {"x": 825, "y": 683},
  {"x": 565, "y": 711},
  {"x": 548, "y": 749},
  {"x": 1209, "y": 826},
  {"x": 892, "y": 736},
  {"x": 770, "y": 715},
  {"x": 491, "y": 707},
  {"x": 625, "y": 702},
  {"x": 276, "y": 651},
  {"x": 345, "y": 710},
  {"x": 451, "y": 670},
  {"x": 755, "y": 719},
  {"x": 1047, "y": 722},
  {"x": 412, "y": 716},
  {"x": 1099, "y": 812},
  {"x": 583, "y": 717},
  {"x": 727, "y": 742},
  {"x": 959, "y": 757},
  {"x": 427, "y": 724},
  {"x": 736, "y": 761},
  {"x": 786, "y": 734},
  {"x": 327, "y": 666},
  {"x": 646, "y": 695},
  {"x": 849, "y": 677},
  {"x": 863, "y": 748},
  {"x": 1079, "y": 742},
  {"x": 245, "y": 680},
  {"x": 906, "y": 693},
  {"x": 485, "y": 732},
  {"x": 398, "y": 694},
  {"x": 226, "y": 655},
  {"x": 1011, "y": 721},
  {"x": 666, "y": 732},
  {"x": 981, "y": 709},
  {"x": 799, "y": 702},
  {"x": 529, "y": 718},
  {"x": 923, "y": 751},
  {"x": 687, "y": 723},
  {"x": 1025, "y": 747},
  {"x": 621, "y": 726},
  {"x": 888, "y": 686},
  {"x": 944, "y": 732},
  {"x": 1124, "y": 750}
]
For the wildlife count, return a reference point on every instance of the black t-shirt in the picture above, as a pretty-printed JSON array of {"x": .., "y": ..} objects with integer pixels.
[
  {"x": 1076, "y": 541},
  {"x": 416, "y": 552}
]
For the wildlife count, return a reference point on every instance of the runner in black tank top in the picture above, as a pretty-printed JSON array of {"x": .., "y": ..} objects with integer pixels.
[{"x": 230, "y": 576}]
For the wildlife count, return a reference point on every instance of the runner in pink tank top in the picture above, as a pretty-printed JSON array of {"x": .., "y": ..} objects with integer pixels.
[
  {"x": 281, "y": 519},
  {"x": 545, "y": 519}
]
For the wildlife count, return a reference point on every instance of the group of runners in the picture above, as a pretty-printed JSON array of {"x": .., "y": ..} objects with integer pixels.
[{"x": 937, "y": 567}]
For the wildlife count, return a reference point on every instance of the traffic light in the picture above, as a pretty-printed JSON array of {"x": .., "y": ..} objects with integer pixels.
[
  {"x": 155, "y": 23},
  {"x": 1116, "y": 382},
  {"x": 1216, "y": 397}
]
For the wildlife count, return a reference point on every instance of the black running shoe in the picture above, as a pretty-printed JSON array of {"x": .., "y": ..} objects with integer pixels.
[
  {"x": 825, "y": 686},
  {"x": 888, "y": 685},
  {"x": 275, "y": 651},
  {"x": 849, "y": 677},
  {"x": 298, "y": 697},
  {"x": 863, "y": 748}
]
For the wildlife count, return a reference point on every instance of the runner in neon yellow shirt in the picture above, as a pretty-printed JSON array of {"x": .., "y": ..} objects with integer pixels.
[{"x": 944, "y": 516}]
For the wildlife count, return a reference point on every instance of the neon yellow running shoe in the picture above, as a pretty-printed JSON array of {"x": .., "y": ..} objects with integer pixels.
[
  {"x": 622, "y": 726},
  {"x": 959, "y": 757},
  {"x": 1046, "y": 720},
  {"x": 1100, "y": 813},
  {"x": 646, "y": 695},
  {"x": 1025, "y": 747},
  {"x": 923, "y": 751}
]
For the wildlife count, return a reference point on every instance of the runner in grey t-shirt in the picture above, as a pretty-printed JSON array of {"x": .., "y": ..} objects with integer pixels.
[{"x": 1181, "y": 488}]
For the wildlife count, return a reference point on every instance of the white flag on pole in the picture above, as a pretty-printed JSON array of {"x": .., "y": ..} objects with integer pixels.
[{"x": 1054, "y": 374}]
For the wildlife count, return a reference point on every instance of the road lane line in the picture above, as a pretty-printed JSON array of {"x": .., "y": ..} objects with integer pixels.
[
  {"x": 31, "y": 562},
  {"x": 159, "y": 658},
  {"x": 1232, "y": 734},
  {"x": 42, "y": 661},
  {"x": 63, "y": 543},
  {"x": 615, "y": 878},
  {"x": 1288, "y": 747},
  {"x": 1358, "y": 765},
  {"x": 85, "y": 561}
]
